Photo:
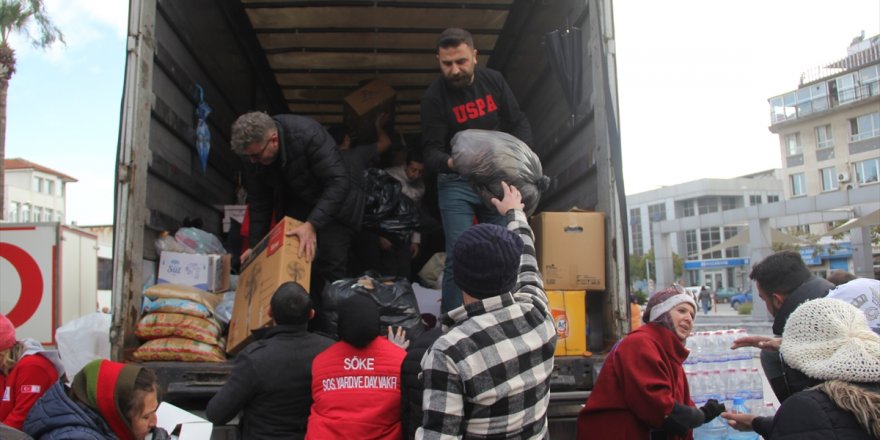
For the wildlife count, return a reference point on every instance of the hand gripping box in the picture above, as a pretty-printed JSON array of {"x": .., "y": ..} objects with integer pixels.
[
  {"x": 361, "y": 107},
  {"x": 274, "y": 261},
  {"x": 571, "y": 249}
]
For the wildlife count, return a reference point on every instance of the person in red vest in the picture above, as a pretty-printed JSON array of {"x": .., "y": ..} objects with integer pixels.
[
  {"x": 356, "y": 382},
  {"x": 26, "y": 372}
]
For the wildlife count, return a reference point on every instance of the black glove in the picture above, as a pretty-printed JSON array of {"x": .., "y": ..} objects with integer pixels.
[
  {"x": 682, "y": 418},
  {"x": 159, "y": 434},
  {"x": 711, "y": 410}
]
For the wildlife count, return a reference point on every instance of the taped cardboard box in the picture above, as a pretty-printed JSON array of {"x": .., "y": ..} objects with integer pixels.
[
  {"x": 569, "y": 311},
  {"x": 571, "y": 249},
  {"x": 209, "y": 272},
  {"x": 275, "y": 261},
  {"x": 364, "y": 105}
]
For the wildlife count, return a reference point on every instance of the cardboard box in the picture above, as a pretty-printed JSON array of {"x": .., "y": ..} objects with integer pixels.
[
  {"x": 206, "y": 272},
  {"x": 571, "y": 249},
  {"x": 361, "y": 107},
  {"x": 182, "y": 424},
  {"x": 275, "y": 261},
  {"x": 569, "y": 311}
]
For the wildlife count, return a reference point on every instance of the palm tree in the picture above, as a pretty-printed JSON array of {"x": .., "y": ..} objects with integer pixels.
[{"x": 16, "y": 16}]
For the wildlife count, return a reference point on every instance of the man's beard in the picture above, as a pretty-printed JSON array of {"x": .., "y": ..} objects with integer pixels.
[{"x": 459, "y": 81}]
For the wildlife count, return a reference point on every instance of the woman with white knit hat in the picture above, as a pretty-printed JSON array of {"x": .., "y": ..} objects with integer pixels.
[
  {"x": 642, "y": 391},
  {"x": 828, "y": 341}
]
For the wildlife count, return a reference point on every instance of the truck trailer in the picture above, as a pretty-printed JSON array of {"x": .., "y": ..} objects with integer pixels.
[{"x": 304, "y": 57}]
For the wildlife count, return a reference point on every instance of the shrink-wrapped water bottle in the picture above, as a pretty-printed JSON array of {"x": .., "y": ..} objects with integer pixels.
[
  {"x": 756, "y": 390},
  {"x": 739, "y": 407}
]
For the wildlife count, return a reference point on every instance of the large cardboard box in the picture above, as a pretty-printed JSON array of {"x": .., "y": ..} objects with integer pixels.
[
  {"x": 571, "y": 249},
  {"x": 364, "y": 105},
  {"x": 569, "y": 311},
  {"x": 208, "y": 272},
  {"x": 275, "y": 262}
]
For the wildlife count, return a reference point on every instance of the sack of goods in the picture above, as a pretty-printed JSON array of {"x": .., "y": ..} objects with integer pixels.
[
  {"x": 398, "y": 306},
  {"x": 487, "y": 158},
  {"x": 179, "y": 325},
  {"x": 387, "y": 210}
]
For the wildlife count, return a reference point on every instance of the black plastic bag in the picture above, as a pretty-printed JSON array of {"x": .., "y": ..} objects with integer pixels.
[
  {"x": 397, "y": 303},
  {"x": 487, "y": 157},
  {"x": 387, "y": 210}
]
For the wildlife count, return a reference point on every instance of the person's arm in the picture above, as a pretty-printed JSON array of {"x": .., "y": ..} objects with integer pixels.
[
  {"x": 326, "y": 164},
  {"x": 235, "y": 394},
  {"x": 762, "y": 342},
  {"x": 443, "y": 398},
  {"x": 434, "y": 131},
  {"x": 529, "y": 281},
  {"x": 515, "y": 119},
  {"x": 31, "y": 383},
  {"x": 259, "y": 202}
]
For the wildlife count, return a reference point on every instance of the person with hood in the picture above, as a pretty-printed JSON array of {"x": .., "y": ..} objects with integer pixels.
[
  {"x": 356, "y": 382},
  {"x": 827, "y": 342},
  {"x": 107, "y": 401},
  {"x": 784, "y": 282},
  {"x": 271, "y": 380},
  {"x": 642, "y": 391},
  {"x": 26, "y": 373}
]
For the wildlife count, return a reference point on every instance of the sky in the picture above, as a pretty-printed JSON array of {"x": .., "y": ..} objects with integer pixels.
[{"x": 694, "y": 77}]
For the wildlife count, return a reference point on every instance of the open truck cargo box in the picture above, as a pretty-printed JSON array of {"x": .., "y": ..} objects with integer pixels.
[{"x": 305, "y": 57}]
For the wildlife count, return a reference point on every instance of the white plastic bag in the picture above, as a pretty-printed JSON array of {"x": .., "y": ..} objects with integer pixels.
[{"x": 83, "y": 340}]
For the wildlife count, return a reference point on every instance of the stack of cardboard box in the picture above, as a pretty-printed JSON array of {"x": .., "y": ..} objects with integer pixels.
[{"x": 571, "y": 257}]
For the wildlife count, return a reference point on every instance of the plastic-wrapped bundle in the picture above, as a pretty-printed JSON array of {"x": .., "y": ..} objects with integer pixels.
[
  {"x": 387, "y": 210},
  {"x": 487, "y": 158},
  {"x": 398, "y": 306}
]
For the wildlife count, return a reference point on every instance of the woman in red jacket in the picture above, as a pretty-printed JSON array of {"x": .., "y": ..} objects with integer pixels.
[
  {"x": 26, "y": 373},
  {"x": 642, "y": 391},
  {"x": 356, "y": 382}
]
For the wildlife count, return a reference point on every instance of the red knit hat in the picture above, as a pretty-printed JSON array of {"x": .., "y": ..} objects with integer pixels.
[{"x": 7, "y": 333}]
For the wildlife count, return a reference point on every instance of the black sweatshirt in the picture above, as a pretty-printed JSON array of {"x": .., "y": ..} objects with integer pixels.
[{"x": 486, "y": 104}]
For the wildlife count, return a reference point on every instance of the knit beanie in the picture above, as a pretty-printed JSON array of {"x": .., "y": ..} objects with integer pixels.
[
  {"x": 358, "y": 320},
  {"x": 659, "y": 305},
  {"x": 830, "y": 339},
  {"x": 99, "y": 386},
  {"x": 485, "y": 260},
  {"x": 7, "y": 333}
]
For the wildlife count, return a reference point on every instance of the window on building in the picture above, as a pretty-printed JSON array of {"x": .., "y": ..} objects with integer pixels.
[
  {"x": 869, "y": 79},
  {"x": 691, "y": 243},
  {"x": 38, "y": 184},
  {"x": 793, "y": 144},
  {"x": 14, "y": 211},
  {"x": 58, "y": 215},
  {"x": 710, "y": 237},
  {"x": 823, "y": 137},
  {"x": 657, "y": 213},
  {"x": 812, "y": 99},
  {"x": 687, "y": 208},
  {"x": 707, "y": 205},
  {"x": 105, "y": 274},
  {"x": 867, "y": 171},
  {"x": 50, "y": 186},
  {"x": 47, "y": 215},
  {"x": 829, "y": 178},
  {"x": 783, "y": 107},
  {"x": 846, "y": 89},
  {"x": 772, "y": 198},
  {"x": 798, "y": 184},
  {"x": 37, "y": 213},
  {"x": 754, "y": 199},
  {"x": 635, "y": 226},
  {"x": 728, "y": 203},
  {"x": 865, "y": 127},
  {"x": 26, "y": 212},
  {"x": 730, "y": 232}
]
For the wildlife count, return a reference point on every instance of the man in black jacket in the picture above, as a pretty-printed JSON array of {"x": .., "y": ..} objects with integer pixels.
[
  {"x": 293, "y": 168},
  {"x": 465, "y": 96},
  {"x": 271, "y": 381},
  {"x": 784, "y": 282}
]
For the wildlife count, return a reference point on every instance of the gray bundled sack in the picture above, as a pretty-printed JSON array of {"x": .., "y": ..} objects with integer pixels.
[{"x": 486, "y": 158}]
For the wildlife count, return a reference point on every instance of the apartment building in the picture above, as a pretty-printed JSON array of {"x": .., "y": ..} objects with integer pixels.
[{"x": 34, "y": 193}]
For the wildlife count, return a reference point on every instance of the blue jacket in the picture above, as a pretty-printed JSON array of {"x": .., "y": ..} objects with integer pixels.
[{"x": 57, "y": 416}]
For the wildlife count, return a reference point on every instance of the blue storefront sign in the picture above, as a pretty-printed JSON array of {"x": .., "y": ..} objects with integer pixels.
[
  {"x": 716, "y": 263},
  {"x": 814, "y": 255}
]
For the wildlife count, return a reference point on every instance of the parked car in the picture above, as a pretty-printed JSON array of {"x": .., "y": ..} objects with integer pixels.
[
  {"x": 739, "y": 299},
  {"x": 725, "y": 294}
]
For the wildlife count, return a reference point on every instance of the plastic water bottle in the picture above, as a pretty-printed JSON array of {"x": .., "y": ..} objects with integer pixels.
[
  {"x": 768, "y": 410},
  {"x": 732, "y": 386},
  {"x": 715, "y": 429},
  {"x": 756, "y": 390},
  {"x": 739, "y": 407}
]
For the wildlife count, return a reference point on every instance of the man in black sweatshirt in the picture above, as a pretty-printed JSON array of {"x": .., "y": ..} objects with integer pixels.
[{"x": 466, "y": 96}]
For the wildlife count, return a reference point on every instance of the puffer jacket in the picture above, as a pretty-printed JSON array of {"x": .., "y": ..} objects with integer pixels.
[
  {"x": 308, "y": 181},
  {"x": 412, "y": 386},
  {"x": 57, "y": 417},
  {"x": 827, "y": 411}
]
